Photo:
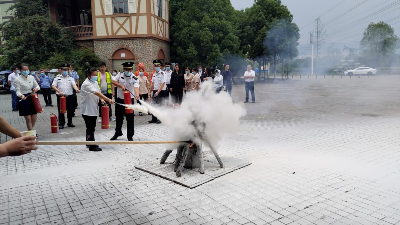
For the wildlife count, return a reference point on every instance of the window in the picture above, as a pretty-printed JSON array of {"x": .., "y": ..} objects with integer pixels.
[
  {"x": 159, "y": 8},
  {"x": 120, "y": 6}
]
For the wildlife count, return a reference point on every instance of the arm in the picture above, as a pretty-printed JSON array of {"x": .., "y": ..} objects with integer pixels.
[
  {"x": 36, "y": 85},
  {"x": 137, "y": 93},
  {"x": 160, "y": 89},
  {"x": 7, "y": 129},
  {"x": 18, "y": 89},
  {"x": 56, "y": 89},
  {"x": 75, "y": 88},
  {"x": 101, "y": 96},
  {"x": 115, "y": 83},
  {"x": 77, "y": 82}
]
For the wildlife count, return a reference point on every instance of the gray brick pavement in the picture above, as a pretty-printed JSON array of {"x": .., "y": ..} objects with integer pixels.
[{"x": 322, "y": 152}]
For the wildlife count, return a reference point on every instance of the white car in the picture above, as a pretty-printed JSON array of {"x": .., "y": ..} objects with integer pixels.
[{"x": 361, "y": 71}]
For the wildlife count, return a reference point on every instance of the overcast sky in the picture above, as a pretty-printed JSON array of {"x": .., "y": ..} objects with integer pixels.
[{"x": 344, "y": 24}]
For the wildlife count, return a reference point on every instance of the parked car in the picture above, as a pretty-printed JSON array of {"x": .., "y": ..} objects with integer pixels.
[
  {"x": 361, "y": 71},
  {"x": 3, "y": 82}
]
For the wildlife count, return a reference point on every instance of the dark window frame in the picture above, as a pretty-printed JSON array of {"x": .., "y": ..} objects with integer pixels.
[{"x": 120, "y": 6}]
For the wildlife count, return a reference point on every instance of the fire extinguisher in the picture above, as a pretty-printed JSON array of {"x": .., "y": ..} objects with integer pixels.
[
  {"x": 105, "y": 117},
  {"x": 53, "y": 121},
  {"x": 63, "y": 105},
  {"x": 36, "y": 103},
  {"x": 128, "y": 101}
]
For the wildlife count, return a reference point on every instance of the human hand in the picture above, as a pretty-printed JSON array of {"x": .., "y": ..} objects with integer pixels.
[
  {"x": 23, "y": 97},
  {"x": 137, "y": 97},
  {"x": 123, "y": 88},
  {"x": 102, "y": 101},
  {"x": 156, "y": 94},
  {"x": 111, "y": 101},
  {"x": 78, "y": 91},
  {"x": 21, "y": 146},
  {"x": 60, "y": 93},
  {"x": 170, "y": 89},
  {"x": 113, "y": 94},
  {"x": 35, "y": 90}
]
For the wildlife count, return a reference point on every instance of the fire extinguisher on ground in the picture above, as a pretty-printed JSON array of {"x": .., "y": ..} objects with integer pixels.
[{"x": 53, "y": 122}]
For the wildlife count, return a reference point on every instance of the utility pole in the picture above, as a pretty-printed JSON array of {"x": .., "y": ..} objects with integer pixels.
[{"x": 312, "y": 53}]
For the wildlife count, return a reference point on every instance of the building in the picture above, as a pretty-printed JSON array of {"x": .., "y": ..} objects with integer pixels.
[
  {"x": 118, "y": 30},
  {"x": 4, "y": 13}
]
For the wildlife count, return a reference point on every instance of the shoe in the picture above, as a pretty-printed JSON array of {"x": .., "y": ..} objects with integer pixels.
[
  {"x": 158, "y": 122},
  {"x": 46, "y": 106},
  {"x": 51, "y": 105},
  {"x": 71, "y": 125},
  {"x": 15, "y": 110},
  {"x": 254, "y": 102},
  {"x": 95, "y": 148},
  {"x": 130, "y": 139},
  {"x": 140, "y": 114},
  {"x": 61, "y": 127},
  {"x": 246, "y": 102},
  {"x": 112, "y": 119},
  {"x": 99, "y": 120},
  {"x": 115, "y": 137},
  {"x": 152, "y": 121}
]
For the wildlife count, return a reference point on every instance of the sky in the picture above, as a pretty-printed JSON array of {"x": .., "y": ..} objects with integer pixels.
[{"x": 344, "y": 20}]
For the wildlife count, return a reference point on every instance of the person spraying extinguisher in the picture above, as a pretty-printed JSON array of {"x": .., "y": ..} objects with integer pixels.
[
  {"x": 90, "y": 97},
  {"x": 125, "y": 81}
]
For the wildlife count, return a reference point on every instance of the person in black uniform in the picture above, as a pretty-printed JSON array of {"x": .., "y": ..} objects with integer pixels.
[{"x": 125, "y": 81}]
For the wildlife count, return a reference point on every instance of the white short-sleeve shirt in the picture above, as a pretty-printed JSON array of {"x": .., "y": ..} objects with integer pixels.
[
  {"x": 249, "y": 73},
  {"x": 168, "y": 75},
  {"x": 158, "y": 79},
  {"x": 89, "y": 101},
  {"x": 64, "y": 84},
  {"x": 130, "y": 83},
  {"x": 11, "y": 78}
]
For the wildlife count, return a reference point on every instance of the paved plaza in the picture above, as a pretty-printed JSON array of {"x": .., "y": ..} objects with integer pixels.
[{"x": 322, "y": 151}]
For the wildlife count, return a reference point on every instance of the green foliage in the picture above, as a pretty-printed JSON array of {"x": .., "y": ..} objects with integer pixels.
[
  {"x": 81, "y": 60},
  {"x": 32, "y": 37},
  {"x": 379, "y": 45},
  {"x": 282, "y": 39},
  {"x": 203, "y": 31}
]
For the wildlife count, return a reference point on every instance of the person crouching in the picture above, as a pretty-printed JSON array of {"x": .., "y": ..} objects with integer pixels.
[{"x": 90, "y": 97}]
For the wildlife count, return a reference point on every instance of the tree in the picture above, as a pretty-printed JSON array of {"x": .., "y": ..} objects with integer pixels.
[
  {"x": 203, "y": 31},
  {"x": 281, "y": 41},
  {"x": 254, "y": 25},
  {"x": 31, "y": 36}
]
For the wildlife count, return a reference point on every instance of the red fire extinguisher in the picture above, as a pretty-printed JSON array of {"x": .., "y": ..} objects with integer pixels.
[
  {"x": 128, "y": 101},
  {"x": 53, "y": 121},
  {"x": 105, "y": 117},
  {"x": 63, "y": 105},
  {"x": 36, "y": 103}
]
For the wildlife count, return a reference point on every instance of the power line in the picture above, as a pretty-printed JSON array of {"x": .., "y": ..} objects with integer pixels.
[{"x": 347, "y": 12}]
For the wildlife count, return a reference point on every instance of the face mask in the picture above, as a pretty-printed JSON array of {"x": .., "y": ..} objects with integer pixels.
[
  {"x": 25, "y": 73},
  {"x": 17, "y": 71},
  {"x": 114, "y": 74},
  {"x": 65, "y": 73},
  {"x": 193, "y": 73},
  {"x": 187, "y": 72},
  {"x": 42, "y": 74},
  {"x": 167, "y": 68},
  {"x": 93, "y": 78},
  {"x": 163, "y": 69},
  {"x": 127, "y": 73},
  {"x": 141, "y": 73},
  {"x": 33, "y": 73},
  {"x": 200, "y": 70},
  {"x": 157, "y": 69}
]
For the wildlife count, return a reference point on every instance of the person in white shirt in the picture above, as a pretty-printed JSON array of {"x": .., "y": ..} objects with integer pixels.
[
  {"x": 126, "y": 81},
  {"x": 159, "y": 87},
  {"x": 11, "y": 79},
  {"x": 90, "y": 97},
  {"x": 218, "y": 81},
  {"x": 249, "y": 76},
  {"x": 64, "y": 85},
  {"x": 168, "y": 75},
  {"x": 26, "y": 85}
]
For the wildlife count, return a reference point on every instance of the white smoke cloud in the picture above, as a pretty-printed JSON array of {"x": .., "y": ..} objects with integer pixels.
[{"x": 214, "y": 115}]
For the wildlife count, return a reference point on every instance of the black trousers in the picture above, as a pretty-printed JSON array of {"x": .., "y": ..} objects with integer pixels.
[
  {"x": 120, "y": 113},
  {"x": 70, "y": 110},
  {"x": 177, "y": 96},
  {"x": 158, "y": 101},
  {"x": 144, "y": 97},
  {"x": 75, "y": 102},
  {"x": 47, "y": 95},
  {"x": 90, "y": 122},
  {"x": 107, "y": 103}
]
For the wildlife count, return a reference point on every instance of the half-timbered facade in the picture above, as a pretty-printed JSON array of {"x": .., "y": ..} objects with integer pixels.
[{"x": 118, "y": 30}]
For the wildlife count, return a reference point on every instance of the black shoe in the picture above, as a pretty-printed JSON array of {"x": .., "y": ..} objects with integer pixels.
[
  {"x": 61, "y": 127},
  {"x": 46, "y": 105},
  {"x": 152, "y": 121},
  {"x": 140, "y": 114},
  {"x": 71, "y": 125},
  {"x": 130, "y": 139},
  {"x": 95, "y": 148},
  {"x": 51, "y": 105},
  {"x": 254, "y": 102},
  {"x": 115, "y": 137},
  {"x": 158, "y": 122},
  {"x": 15, "y": 110},
  {"x": 246, "y": 102}
]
